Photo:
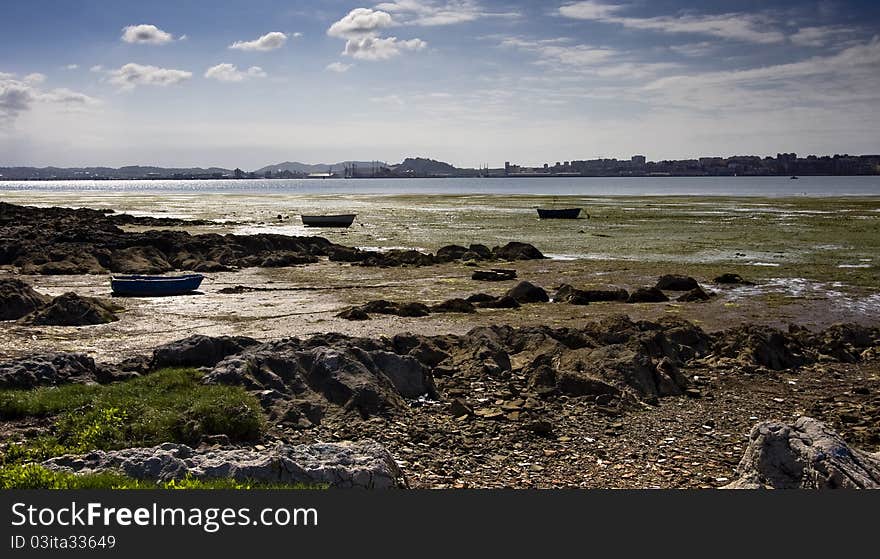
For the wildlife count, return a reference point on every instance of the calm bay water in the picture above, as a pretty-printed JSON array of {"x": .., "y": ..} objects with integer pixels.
[{"x": 556, "y": 186}]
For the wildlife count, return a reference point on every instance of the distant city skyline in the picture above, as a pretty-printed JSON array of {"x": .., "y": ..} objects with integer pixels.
[{"x": 469, "y": 82}]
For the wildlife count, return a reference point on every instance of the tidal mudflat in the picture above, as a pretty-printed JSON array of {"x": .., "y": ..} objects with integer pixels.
[{"x": 573, "y": 395}]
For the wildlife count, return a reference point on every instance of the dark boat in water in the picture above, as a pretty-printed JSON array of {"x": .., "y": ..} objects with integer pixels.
[
  {"x": 155, "y": 286},
  {"x": 566, "y": 213},
  {"x": 342, "y": 220}
]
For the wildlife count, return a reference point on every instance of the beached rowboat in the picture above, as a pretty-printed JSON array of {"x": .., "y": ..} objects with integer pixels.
[
  {"x": 155, "y": 286},
  {"x": 342, "y": 220}
]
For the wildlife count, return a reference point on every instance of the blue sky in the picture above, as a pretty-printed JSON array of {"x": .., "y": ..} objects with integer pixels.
[{"x": 186, "y": 83}]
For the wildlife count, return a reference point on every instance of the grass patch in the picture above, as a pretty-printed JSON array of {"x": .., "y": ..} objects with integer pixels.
[
  {"x": 169, "y": 405},
  {"x": 34, "y": 476}
]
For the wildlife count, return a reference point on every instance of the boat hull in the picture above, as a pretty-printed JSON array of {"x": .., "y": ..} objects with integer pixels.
[
  {"x": 342, "y": 220},
  {"x": 567, "y": 213},
  {"x": 155, "y": 286}
]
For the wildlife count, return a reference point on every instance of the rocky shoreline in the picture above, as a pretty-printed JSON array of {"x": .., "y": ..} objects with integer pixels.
[
  {"x": 83, "y": 241},
  {"x": 605, "y": 400},
  {"x": 502, "y": 388}
]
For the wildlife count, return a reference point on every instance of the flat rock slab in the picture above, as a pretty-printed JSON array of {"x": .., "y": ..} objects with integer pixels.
[
  {"x": 363, "y": 465},
  {"x": 804, "y": 455}
]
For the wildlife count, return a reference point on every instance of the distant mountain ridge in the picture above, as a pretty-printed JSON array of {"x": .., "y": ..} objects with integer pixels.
[
  {"x": 127, "y": 172},
  {"x": 306, "y": 168}
]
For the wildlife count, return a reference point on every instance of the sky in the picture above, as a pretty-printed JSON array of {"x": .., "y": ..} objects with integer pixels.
[{"x": 471, "y": 82}]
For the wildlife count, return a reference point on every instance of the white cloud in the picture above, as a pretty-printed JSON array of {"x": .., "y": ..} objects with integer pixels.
[
  {"x": 551, "y": 52},
  {"x": 145, "y": 33},
  {"x": 359, "y": 23},
  {"x": 753, "y": 28},
  {"x": 339, "y": 67},
  {"x": 820, "y": 36},
  {"x": 71, "y": 67},
  {"x": 131, "y": 75},
  {"x": 391, "y": 100},
  {"x": 427, "y": 12},
  {"x": 35, "y": 78},
  {"x": 96, "y": 68},
  {"x": 269, "y": 41},
  {"x": 18, "y": 96},
  {"x": 694, "y": 49},
  {"x": 380, "y": 48},
  {"x": 297, "y": 35},
  {"x": 839, "y": 80},
  {"x": 230, "y": 73}
]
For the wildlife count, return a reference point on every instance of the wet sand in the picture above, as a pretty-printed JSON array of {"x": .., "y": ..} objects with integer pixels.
[{"x": 814, "y": 262}]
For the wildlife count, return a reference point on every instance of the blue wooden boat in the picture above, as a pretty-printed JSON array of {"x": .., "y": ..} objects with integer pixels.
[{"x": 155, "y": 286}]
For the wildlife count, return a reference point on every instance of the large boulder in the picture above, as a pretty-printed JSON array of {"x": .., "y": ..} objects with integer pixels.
[
  {"x": 647, "y": 295},
  {"x": 525, "y": 292},
  {"x": 363, "y": 465},
  {"x": 517, "y": 251},
  {"x": 675, "y": 282},
  {"x": 71, "y": 309},
  {"x": 50, "y": 369},
  {"x": 198, "y": 351},
  {"x": 804, "y": 455},
  {"x": 346, "y": 374},
  {"x": 18, "y": 299}
]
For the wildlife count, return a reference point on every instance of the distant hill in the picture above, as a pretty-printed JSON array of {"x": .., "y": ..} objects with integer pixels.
[
  {"x": 306, "y": 168},
  {"x": 128, "y": 172},
  {"x": 420, "y": 166}
]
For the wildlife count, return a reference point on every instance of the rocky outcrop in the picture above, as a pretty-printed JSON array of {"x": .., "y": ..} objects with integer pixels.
[
  {"x": 18, "y": 299},
  {"x": 731, "y": 279},
  {"x": 331, "y": 372},
  {"x": 82, "y": 241},
  {"x": 676, "y": 282},
  {"x": 362, "y": 465},
  {"x": 517, "y": 251},
  {"x": 569, "y": 294},
  {"x": 71, "y": 309},
  {"x": 647, "y": 295},
  {"x": 51, "y": 369},
  {"x": 495, "y": 274},
  {"x": 525, "y": 292},
  {"x": 698, "y": 294},
  {"x": 451, "y": 253},
  {"x": 804, "y": 455},
  {"x": 198, "y": 351}
]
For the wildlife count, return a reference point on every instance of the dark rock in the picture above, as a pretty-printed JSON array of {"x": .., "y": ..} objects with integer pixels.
[
  {"x": 450, "y": 253},
  {"x": 601, "y": 295},
  {"x": 731, "y": 279},
  {"x": 504, "y": 302},
  {"x": 18, "y": 299},
  {"x": 354, "y": 313},
  {"x": 495, "y": 274},
  {"x": 482, "y": 251},
  {"x": 760, "y": 345},
  {"x": 540, "y": 427},
  {"x": 480, "y": 298},
  {"x": 50, "y": 369},
  {"x": 525, "y": 292},
  {"x": 568, "y": 294},
  {"x": 349, "y": 374},
  {"x": 199, "y": 351},
  {"x": 517, "y": 251},
  {"x": 454, "y": 306},
  {"x": 673, "y": 282},
  {"x": 413, "y": 310},
  {"x": 804, "y": 455},
  {"x": 459, "y": 408},
  {"x": 647, "y": 295},
  {"x": 71, "y": 309},
  {"x": 694, "y": 295}
]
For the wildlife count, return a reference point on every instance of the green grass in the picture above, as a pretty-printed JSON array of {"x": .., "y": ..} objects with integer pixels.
[
  {"x": 169, "y": 405},
  {"x": 34, "y": 476}
]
